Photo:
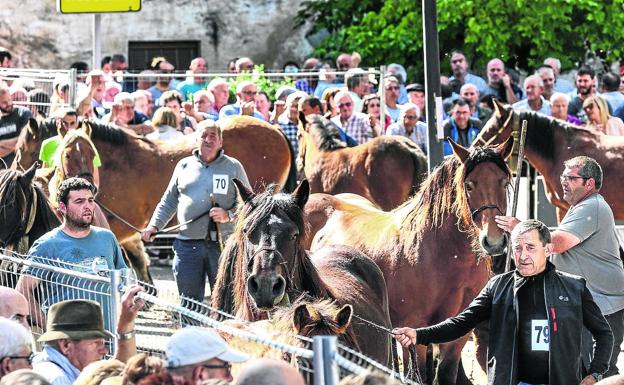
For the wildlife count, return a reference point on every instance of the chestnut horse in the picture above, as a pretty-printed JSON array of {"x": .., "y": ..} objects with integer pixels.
[
  {"x": 135, "y": 171},
  {"x": 428, "y": 248},
  {"x": 386, "y": 170},
  {"x": 550, "y": 142},
  {"x": 264, "y": 265}
]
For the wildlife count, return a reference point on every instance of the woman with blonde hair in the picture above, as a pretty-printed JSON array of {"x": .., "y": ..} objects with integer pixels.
[
  {"x": 165, "y": 122},
  {"x": 327, "y": 100},
  {"x": 599, "y": 119}
]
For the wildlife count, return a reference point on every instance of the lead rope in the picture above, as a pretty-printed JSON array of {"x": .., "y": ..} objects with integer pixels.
[{"x": 413, "y": 373}]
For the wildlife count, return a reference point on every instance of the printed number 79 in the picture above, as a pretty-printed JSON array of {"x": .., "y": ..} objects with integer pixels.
[{"x": 542, "y": 331}]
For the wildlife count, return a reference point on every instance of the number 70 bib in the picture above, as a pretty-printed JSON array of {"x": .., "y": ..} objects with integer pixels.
[{"x": 220, "y": 183}]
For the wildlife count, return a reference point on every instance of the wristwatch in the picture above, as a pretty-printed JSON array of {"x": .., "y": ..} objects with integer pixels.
[
  {"x": 597, "y": 376},
  {"x": 125, "y": 336}
]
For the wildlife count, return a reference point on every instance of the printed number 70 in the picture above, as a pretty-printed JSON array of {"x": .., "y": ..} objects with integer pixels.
[{"x": 542, "y": 330}]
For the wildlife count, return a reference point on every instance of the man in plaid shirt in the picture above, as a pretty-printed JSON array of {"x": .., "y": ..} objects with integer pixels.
[
  {"x": 355, "y": 124},
  {"x": 289, "y": 119}
]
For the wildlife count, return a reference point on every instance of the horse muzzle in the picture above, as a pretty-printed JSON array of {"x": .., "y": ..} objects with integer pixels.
[{"x": 266, "y": 290}]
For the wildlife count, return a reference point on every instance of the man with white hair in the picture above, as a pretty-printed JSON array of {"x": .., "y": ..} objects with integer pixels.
[
  {"x": 143, "y": 102},
  {"x": 123, "y": 114},
  {"x": 559, "y": 108},
  {"x": 202, "y": 107},
  {"x": 245, "y": 102},
  {"x": 355, "y": 124},
  {"x": 409, "y": 126},
  {"x": 13, "y": 305},
  {"x": 561, "y": 85},
  {"x": 15, "y": 347},
  {"x": 534, "y": 87},
  {"x": 289, "y": 119},
  {"x": 548, "y": 78},
  {"x": 221, "y": 92}
]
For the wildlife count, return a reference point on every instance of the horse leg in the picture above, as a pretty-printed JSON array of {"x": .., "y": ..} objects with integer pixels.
[
  {"x": 450, "y": 356},
  {"x": 137, "y": 258}
]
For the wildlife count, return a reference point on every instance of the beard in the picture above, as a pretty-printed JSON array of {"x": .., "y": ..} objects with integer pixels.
[
  {"x": 6, "y": 110},
  {"x": 78, "y": 221}
]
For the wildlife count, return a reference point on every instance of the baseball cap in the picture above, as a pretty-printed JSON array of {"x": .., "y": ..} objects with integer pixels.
[
  {"x": 193, "y": 345},
  {"x": 415, "y": 87}
]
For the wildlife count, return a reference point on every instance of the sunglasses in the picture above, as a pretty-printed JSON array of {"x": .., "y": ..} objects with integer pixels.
[
  {"x": 411, "y": 117},
  {"x": 345, "y": 105}
]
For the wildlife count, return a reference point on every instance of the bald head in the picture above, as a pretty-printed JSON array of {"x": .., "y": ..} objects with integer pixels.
[
  {"x": 269, "y": 372},
  {"x": 13, "y": 305}
]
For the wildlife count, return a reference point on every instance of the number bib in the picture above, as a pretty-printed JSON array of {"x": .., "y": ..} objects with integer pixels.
[
  {"x": 220, "y": 184},
  {"x": 540, "y": 335}
]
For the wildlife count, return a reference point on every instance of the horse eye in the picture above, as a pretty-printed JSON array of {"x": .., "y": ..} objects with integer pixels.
[
  {"x": 294, "y": 235},
  {"x": 469, "y": 187}
]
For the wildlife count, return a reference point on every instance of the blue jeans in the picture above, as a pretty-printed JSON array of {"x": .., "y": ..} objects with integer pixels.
[{"x": 194, "y": 260}]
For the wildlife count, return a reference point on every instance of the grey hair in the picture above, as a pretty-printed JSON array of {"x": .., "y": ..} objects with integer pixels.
[
  {"x": 588, "y": 168},
  {"x": 532, "y": 224},
  {"x": 123, "y": 97},
  {"x": 14, "y": 337}
]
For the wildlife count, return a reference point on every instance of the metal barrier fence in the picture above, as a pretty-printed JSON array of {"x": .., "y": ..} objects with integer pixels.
[{"x": 166, "y": 312}]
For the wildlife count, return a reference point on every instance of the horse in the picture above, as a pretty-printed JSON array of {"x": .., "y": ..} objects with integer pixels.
[
  {"x": 430, "y": 248},
  {"x": 550, "y": 142},
  {"x": 386, "y": 170},
  {"x": 264, "y": 265}
]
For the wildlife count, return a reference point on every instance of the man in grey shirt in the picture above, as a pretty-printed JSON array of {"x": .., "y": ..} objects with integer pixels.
[
  {"x": 207, "y": 172},
  {"x": 585, "y": 244}
]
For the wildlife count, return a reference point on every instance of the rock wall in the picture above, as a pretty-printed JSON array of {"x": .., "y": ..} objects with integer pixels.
[{"x": 40, "y": 37}]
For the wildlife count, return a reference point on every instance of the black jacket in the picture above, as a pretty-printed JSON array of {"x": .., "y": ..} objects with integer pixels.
[{"x": 567, "y": 298}]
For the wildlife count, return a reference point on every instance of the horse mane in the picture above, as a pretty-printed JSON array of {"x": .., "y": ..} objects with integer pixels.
[
  {"x": 306, "y": 278},
  {"x": 11, "y": 193},
  {"x": 325, "y": 133},
  {"x": 442, "y": 195},
  {"x": 108, "y": 133}
]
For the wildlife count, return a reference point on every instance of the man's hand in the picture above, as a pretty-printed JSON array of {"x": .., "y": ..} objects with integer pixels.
[
  {"x": 405, "y": 336},
  {"x": 148, "y": 233},
  {"x": 589, "y": 380},
  {"x": 130, "y": 306},
  {"x": 506, "y": 80},
  {"x": 506, "y": 223},
  {"x": 219, "y": 215},
  {"x": 188, "y": 108},
  {"x": 248, "y": 108}
]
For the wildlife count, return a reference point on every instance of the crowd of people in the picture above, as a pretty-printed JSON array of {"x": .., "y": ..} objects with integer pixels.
[{"x": 164, "y": 108}]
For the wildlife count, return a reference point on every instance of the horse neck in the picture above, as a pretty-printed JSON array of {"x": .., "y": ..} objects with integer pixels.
[
  {"x": 306, "y": 279},
  {"x": 45, "y": 218}
]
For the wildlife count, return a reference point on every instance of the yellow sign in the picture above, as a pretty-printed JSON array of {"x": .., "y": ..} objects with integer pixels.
[{"x": 97, "y": 6}]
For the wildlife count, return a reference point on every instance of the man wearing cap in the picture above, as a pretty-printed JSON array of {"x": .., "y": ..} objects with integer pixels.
[
  {"x": 198, "y": 354},
  {"x": 416, "y": 95},
  {"x": 75, "y": 337}
]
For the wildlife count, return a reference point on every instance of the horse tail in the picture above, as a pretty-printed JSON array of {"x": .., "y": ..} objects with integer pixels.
[
  {"x": 291, "y": 181},
  {"x": 223, "y": 291}
]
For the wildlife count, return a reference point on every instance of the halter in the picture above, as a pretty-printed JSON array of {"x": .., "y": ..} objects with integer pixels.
[
  {"x": 282, "y": 261},
  {"x": 476, "y": 212}
]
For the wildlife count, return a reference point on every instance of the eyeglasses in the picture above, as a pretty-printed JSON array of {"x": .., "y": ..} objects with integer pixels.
[
  {"x": 411, "y": 117},
  {"x": 393, "y": 88},
  {"x": 28, "y": 358},
  {"x": 21, "y": 318},
  {"x": 250, "y": 92},
  {"x": 345, "y": 105},
  {"x": 569, "y": 178},
  {"x": 226, "y": 366}
]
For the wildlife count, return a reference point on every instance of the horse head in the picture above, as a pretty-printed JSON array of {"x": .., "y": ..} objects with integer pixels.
[
  {"x": 499, "y": 127},
  {"x": 77, "y": 152},
  {"x": 15, "y": 197},
  {"x": 322, "y": 318},
  {"x": 270, "y": 234},
  {"x": 486, "y": 179},
  {"x": 28, "y": 145}
]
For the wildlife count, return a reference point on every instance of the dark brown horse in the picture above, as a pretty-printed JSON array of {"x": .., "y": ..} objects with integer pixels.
[
  {"x": 428, "y": 249},
  {"x": 387, "y": 170},
  {"x": 550, "y": 142},
  {"x": 264, "y": 265}
]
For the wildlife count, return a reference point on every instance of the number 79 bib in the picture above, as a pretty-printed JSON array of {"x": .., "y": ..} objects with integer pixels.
[{"x": 540, "y": 335}]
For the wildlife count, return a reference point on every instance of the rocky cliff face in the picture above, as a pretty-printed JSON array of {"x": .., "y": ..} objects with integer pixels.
[{"x": 40, "y": 37}]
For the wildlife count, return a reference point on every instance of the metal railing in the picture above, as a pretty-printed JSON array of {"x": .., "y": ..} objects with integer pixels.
[
  {"x": 166, "y": 312},
  {"x": 24, "y": 84}
]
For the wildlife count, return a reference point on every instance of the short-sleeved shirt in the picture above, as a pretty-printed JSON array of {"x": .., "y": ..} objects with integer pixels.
[
  {"x": 49, "y": 147},
  {"x": 596, "y": 258},
  {"x": 12, "y": 124},
  {"x": 96, "y": 253}
]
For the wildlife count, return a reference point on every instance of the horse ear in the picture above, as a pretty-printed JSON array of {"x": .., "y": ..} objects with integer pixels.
[
  {"x": 87, "y": 128},
  {"x": 301, "y": 318},
  {"x": 33, "y": 127},
  {"x": 460, "y": 152},
  {"x": 27, "y": 177},
  {"x": 499, "y": 108},
  {"x": 244, "y": 192},
  {"x": 505, "y": 148},
  {"x": 302, "y": 193},
  {"x": 343, "y": 318}
]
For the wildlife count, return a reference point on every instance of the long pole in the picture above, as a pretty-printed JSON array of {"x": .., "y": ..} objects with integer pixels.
[
  {"x": 97, "y": 46},
  {"x": 432, "y": 79},
  {"x": 516, "y": 190}
]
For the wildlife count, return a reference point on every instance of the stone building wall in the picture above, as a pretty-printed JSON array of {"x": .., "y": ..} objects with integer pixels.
[{"x": 40, "y": 37}]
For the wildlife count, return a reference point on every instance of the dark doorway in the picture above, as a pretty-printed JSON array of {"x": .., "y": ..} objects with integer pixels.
[{"x": 177, "y": 52}]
